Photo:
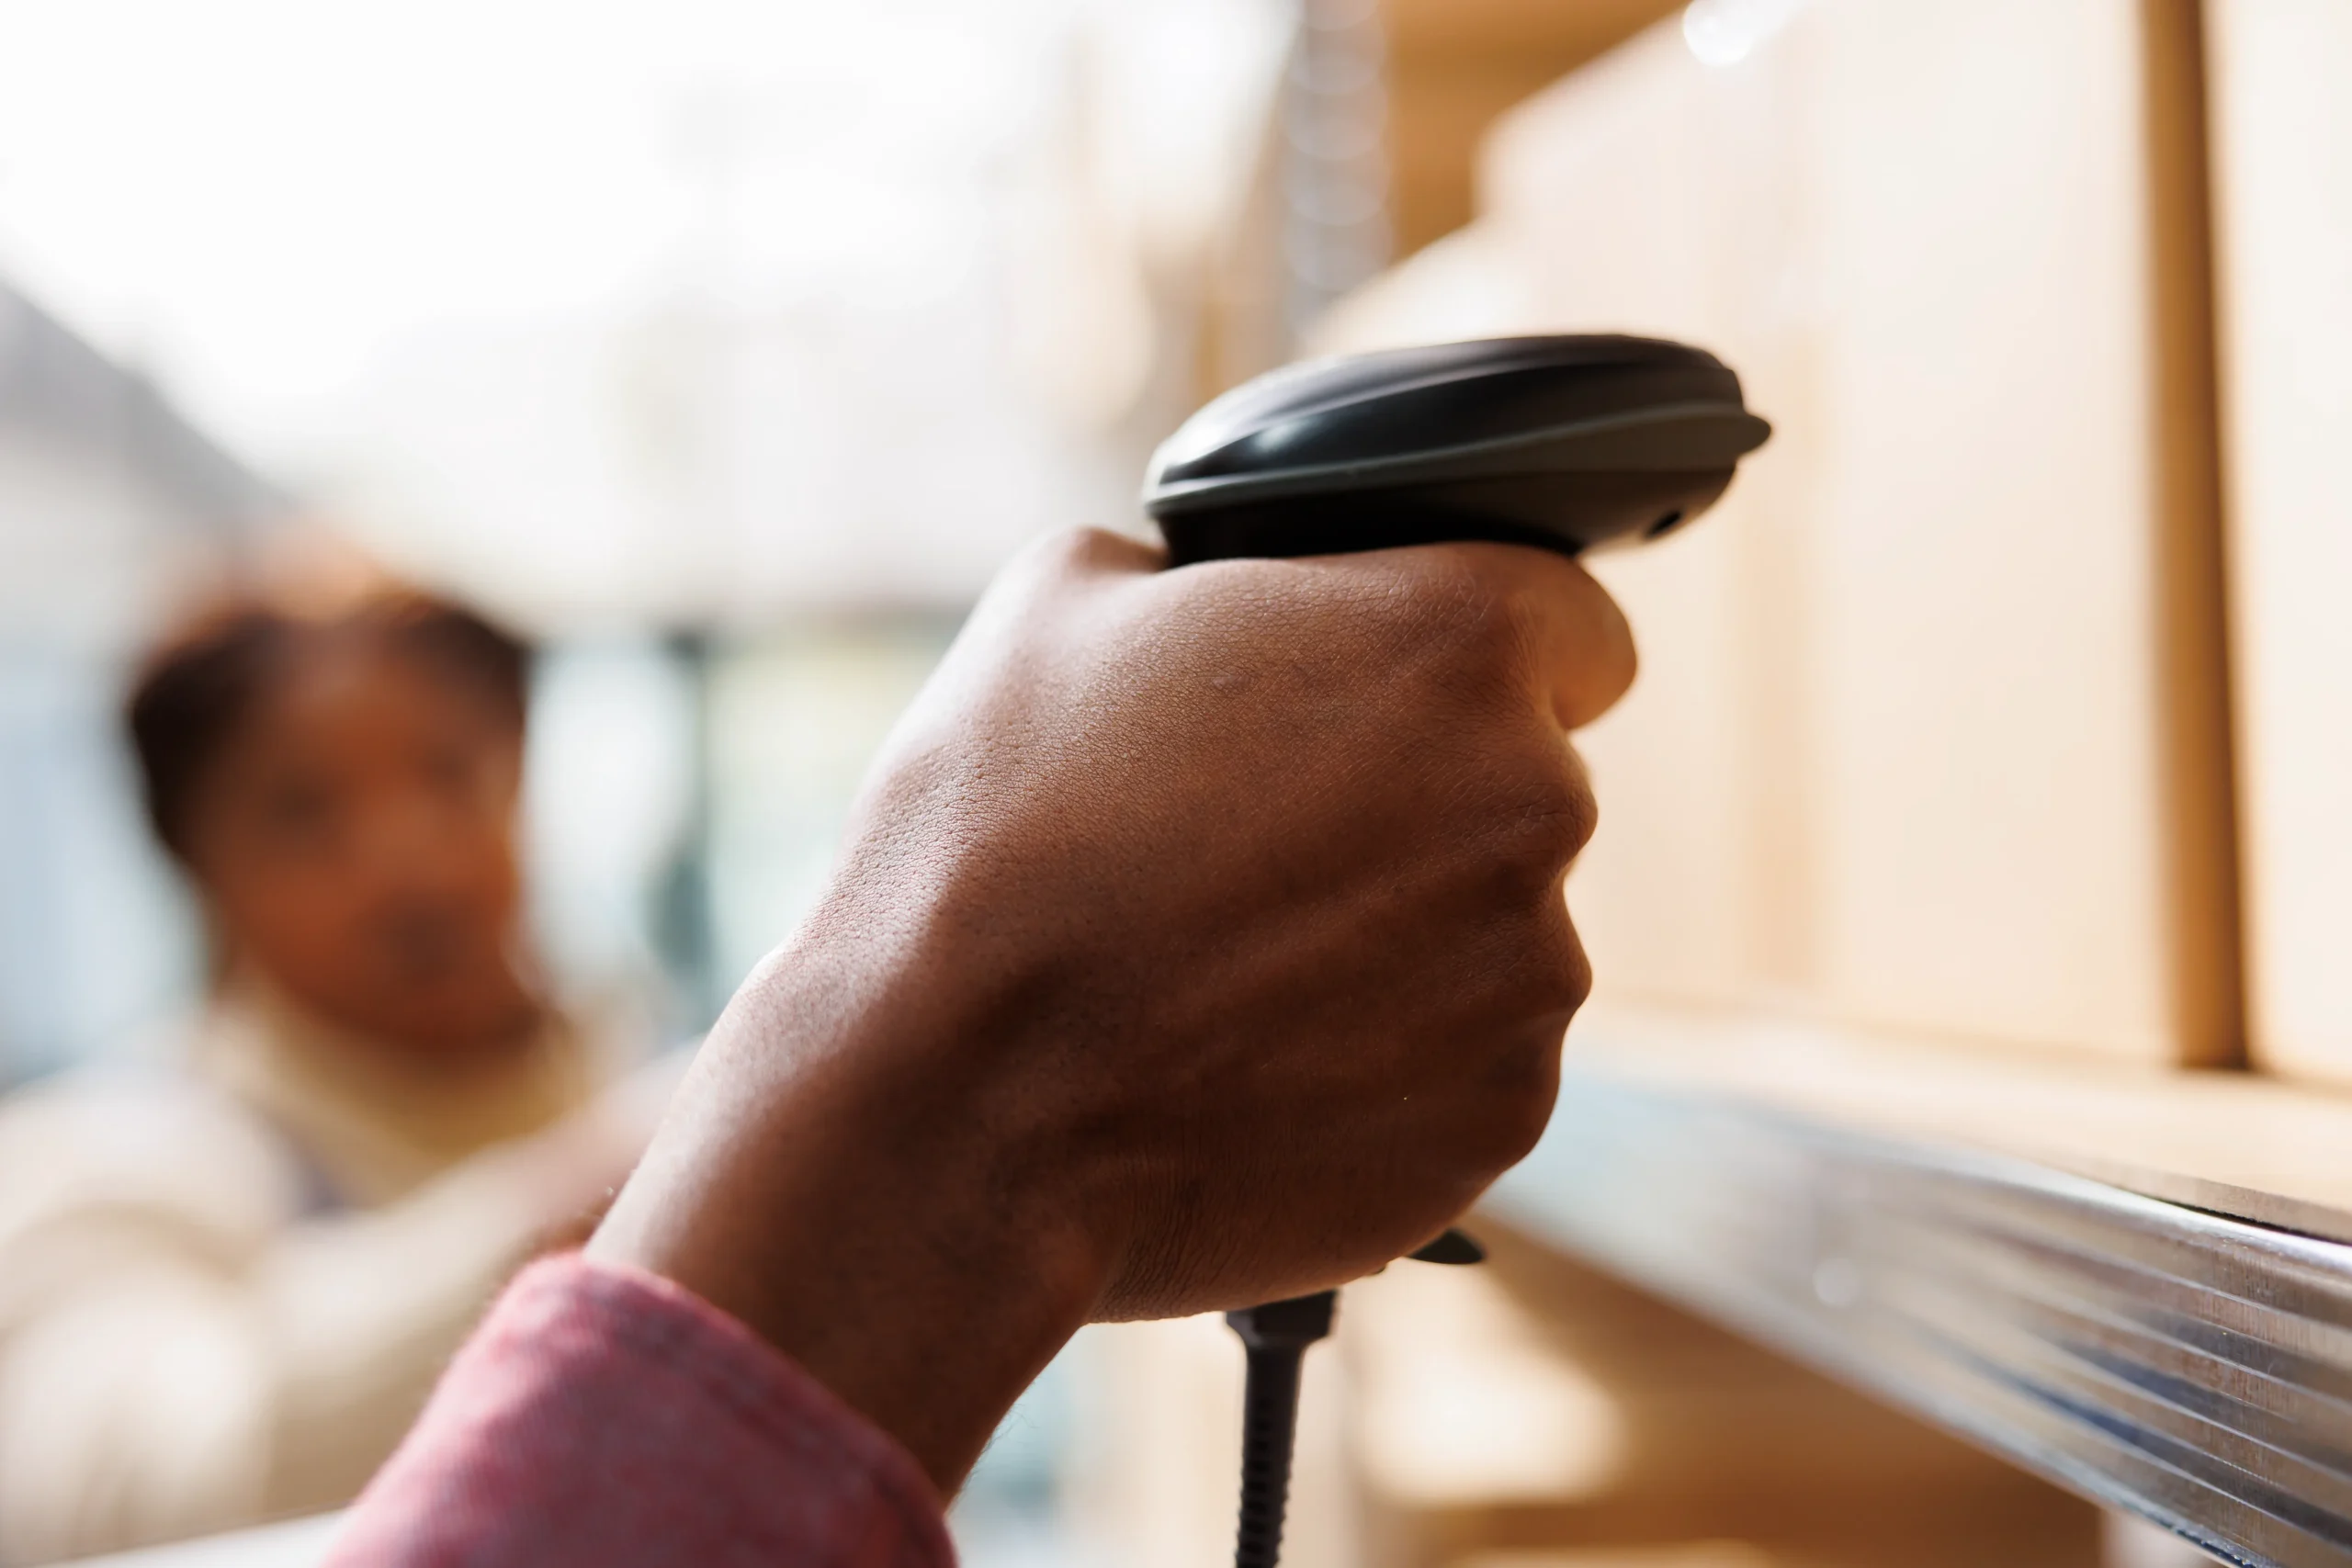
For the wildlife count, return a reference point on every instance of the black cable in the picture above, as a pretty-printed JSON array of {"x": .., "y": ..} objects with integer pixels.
[
  {"x": 1269, "y": 1424},
  {"x": 1276, "y": 1337}
]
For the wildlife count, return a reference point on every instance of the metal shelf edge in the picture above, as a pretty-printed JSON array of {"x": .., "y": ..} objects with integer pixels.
[{"x": 2183, "y": 1365}]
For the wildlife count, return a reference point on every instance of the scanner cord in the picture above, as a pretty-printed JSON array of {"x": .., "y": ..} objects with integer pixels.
[
  {"x": 1269, "y": 1427},
  {"x": 1275, "y": 1336}
]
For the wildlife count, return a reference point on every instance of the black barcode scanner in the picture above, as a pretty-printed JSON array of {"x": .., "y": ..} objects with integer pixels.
[{"x": 1561, "y": 443}]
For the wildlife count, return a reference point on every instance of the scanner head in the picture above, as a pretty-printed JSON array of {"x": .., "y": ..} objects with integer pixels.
[{"x": 1565, "y": 443}]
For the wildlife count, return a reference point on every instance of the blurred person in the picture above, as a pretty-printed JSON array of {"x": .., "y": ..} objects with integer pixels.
[
  {"x": 1199, "y": 940},
  {"x": 228, "y": 1279}
]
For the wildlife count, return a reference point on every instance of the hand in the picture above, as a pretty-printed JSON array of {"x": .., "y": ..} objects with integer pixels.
[{"x": 1199, "y": 940}]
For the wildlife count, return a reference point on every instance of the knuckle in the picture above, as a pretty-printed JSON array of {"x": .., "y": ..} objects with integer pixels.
[
  {"x": 1502, "y": 631},
  {"x": 1547, "y": 816},
  {"x": 1518, "y": 1108},
  {"x": 1572, "y": 971},
  {"x": 1570, "y": 805},
  {"x": 1523, "y": 1128},
  {"x": 1477, "y": 625},
  {"x": 1523, "y": 1077},
  {"x": 1555, "y": 975}
]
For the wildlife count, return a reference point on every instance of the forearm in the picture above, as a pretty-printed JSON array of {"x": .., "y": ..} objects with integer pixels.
[{"x": 874, "y": 1231}]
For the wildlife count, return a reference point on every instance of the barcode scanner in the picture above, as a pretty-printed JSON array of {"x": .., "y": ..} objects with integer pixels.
[{"x": 1564, "y": 444}]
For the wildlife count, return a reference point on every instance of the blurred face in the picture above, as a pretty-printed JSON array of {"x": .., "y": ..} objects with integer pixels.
[{"x": 355, "y": 842}]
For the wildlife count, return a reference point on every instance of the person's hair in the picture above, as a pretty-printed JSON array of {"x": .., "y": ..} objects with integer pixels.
[{"x": 205, "y": 679}]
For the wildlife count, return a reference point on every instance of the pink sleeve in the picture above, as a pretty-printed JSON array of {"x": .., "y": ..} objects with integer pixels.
[{"x": 602, "y": 1415}]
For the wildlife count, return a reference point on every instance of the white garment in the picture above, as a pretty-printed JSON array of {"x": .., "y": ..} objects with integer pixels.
[{"x": 189, "y": 1341}]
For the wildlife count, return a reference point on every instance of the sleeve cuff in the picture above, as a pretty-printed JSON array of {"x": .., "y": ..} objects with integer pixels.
[{"x": 604, "y": 1414}]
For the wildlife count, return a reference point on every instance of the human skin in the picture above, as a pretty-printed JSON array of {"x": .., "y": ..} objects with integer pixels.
[
  {"x": 355, "y": 843},
  {"x": 1199, "y": 940}
]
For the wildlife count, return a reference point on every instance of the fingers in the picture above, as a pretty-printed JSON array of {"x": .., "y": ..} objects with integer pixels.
[
  {"x": 1564, "y": 631},
  {"x": 1577, "y": 638},
  {"x": 1582, "y": 647},
  {"x": 1538, "y": 610}
]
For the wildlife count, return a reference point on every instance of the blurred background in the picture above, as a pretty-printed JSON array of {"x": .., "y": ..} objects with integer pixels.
[{"x": 724, "y": 350}]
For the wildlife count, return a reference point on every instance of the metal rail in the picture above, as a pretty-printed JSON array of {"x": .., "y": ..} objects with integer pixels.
[{"x": 2187, "y": 1366}]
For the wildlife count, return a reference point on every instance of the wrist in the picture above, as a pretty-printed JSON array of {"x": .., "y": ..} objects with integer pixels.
[{"x": 822, "y": 1179}]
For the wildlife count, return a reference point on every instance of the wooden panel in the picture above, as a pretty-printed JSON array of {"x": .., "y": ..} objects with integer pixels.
[
  {"x": 2229, "y": 1142},
  {"x": 1909, "y": 747},
  {"x": 1455, "y": 65},
  {"x": 1999, "y": 854},
  {"x": 1439, "y": 113},
  {"x": 2282, "y": 142},
  {"x": 1580, "y": 30}
]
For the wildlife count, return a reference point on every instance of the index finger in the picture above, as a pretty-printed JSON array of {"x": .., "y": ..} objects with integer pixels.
[{"x": 1583, "y": 647}]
